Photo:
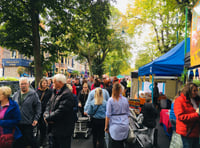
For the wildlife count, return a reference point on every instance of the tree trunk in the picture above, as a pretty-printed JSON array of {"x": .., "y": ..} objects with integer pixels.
[
  {"x": 36, "y": 41},
  {"x": 90, "y": 66}
]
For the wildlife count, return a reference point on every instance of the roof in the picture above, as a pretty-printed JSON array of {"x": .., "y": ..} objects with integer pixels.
[{"x": 169, "y": 64}]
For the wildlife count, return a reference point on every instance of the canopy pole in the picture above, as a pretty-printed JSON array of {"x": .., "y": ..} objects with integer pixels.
[
  {"x": 152, "y": 87},
  {"x": 138, "y": 87},
  {"x": 186, "y": 15}
]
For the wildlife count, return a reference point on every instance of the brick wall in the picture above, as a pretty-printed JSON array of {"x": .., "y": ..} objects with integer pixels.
[{"x": 10, "y": 72}]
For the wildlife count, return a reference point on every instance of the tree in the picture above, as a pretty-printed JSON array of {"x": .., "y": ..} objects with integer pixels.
[
  {"x": 166, "y": 18},
  {"x": 75, "y": 73},
  {"x": 21, "y": 70},
  {"x": 161, "y": 17},
  {"x": 35, "y": 27},
  {"x": 93, "y": 39}
]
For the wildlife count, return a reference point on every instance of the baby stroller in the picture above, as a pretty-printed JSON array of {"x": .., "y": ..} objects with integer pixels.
[
  {"x": 145, "y": 137},
  {"x": 81, "y": 127}
]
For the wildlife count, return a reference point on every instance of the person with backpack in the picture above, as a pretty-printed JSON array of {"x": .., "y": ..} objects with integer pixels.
[{"x": 97, "y": 111}]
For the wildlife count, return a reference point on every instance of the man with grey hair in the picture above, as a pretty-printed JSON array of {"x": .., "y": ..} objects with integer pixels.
[
  {"x": 59, "y": 113},
  {"x": 30, "y": 109}
]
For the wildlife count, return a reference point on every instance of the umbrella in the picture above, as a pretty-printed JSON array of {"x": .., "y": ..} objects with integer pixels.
[{"x": 120, "y": 76}]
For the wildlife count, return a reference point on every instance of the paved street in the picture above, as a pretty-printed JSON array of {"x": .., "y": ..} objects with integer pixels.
[{"x": 163, "y": 139}]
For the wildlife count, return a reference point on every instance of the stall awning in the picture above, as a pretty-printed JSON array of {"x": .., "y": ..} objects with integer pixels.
[{"x": 169, "y": 64}]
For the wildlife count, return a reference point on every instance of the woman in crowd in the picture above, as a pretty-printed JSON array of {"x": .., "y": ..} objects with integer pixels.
[
  {"x": 82, "y": 97},
  {"x": 97, "y": 111},
  {"x": 96, "y": 80},
  {"x": 187, "y": 116},
  {"x": 117, "y": 112},
  {"x": 9, "y": 114},
  {"x": 44, "y": 94},
  {"x": 108, "y": 87}
]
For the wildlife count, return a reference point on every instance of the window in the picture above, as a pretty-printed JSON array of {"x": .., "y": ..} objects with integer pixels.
[
  {"x": 14, "y": 55},
  {"x": 62, "y": 60}
]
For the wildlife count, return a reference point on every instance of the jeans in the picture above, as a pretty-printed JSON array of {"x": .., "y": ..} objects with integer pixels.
[{"x": 190, "y": 142}]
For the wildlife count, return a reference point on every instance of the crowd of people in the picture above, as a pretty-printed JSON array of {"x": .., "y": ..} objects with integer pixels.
[{"x": 52, "y": 107}]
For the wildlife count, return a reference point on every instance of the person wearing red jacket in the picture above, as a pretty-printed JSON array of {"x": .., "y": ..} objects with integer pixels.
[
  {"x": 73, "y": 86},
  {"x": 187, "y": 116}
]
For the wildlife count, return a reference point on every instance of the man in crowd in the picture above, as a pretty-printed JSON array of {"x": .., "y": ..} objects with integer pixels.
[
  {"x": 78, "y": 86},
  {"x": 59, "y": 113},
  {"x": 30, "y": 108},
  {"x": 72, "y": 85},
  {"x": 155, "y": 94},
  {"x": 90, "y": 82}
]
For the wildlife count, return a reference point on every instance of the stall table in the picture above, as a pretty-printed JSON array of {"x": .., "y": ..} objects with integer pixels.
[{"x": 164, "y": 120}]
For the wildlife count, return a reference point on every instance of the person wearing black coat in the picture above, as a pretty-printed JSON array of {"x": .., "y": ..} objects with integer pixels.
[
  {"x": 155, "y": 94},
  {"x": 150, "y": 113},
  {"x": 82, "y": 98},
  {"x": 44, "y": 94},
  {"x": 59, "y": 113}
]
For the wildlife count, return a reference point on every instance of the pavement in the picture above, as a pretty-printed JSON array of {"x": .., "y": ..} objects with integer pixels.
[{"x": 163, "y": 139}]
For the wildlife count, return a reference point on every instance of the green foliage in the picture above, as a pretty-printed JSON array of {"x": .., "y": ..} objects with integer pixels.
[
  {"x": 8, "y": 79},
  {"x": 197, "y": 82},
  {"x": 21, "y": 70},
  {"x": 166, "y": 18},
  {"x": 94, "y": 41},
  {"x": 75, "y": 73},
  {"x": 34, "y": 27}
]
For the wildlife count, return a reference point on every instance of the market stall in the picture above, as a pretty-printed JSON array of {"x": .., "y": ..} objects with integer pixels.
[{"x": 169, "y": 64}]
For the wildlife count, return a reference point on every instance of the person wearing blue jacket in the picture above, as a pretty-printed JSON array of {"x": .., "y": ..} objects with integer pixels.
[{"x": 9, "y": 113}]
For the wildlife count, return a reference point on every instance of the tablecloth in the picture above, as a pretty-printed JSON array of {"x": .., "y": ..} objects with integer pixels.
[{"x": 164, "y": 120}]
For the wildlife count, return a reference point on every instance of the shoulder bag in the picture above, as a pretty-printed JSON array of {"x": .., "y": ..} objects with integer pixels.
[
  {"x": 6, "y": 140},
  {"x": 92, "y": 119}
]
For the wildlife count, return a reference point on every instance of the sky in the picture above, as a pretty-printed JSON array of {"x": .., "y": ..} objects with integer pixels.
[{"x": 122, "y": 6}]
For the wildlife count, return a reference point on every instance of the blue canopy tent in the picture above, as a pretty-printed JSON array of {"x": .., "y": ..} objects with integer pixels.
[{"x": 169, "y": 64}]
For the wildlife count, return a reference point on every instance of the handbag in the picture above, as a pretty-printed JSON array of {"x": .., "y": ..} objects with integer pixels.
[
  {"x": 176, "y": 141},
  {"x": 6, "y": 140},
  {"x": 131, "y": 136},
  {"x": 92, "y": 119}
]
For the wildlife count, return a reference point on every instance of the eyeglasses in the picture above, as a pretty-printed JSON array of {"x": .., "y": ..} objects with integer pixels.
[{"x": 23, "y": 83}]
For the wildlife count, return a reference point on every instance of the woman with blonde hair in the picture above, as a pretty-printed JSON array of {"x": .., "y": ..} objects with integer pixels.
[
  {"x": 9, "y": 115},
  {"x": 117, "y": 112},
  {"x": 97, "y": 111}
]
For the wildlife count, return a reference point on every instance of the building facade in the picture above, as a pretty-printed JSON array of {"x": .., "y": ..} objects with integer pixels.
[{"x": 10, "y": 61}]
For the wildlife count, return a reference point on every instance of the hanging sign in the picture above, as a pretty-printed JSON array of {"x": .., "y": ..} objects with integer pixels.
[{"x": 195, "y": 36}]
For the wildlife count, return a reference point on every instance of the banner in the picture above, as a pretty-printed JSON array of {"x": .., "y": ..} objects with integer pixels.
[
  {"x": 195, "y": 36},
  {"x": 147, "y": 87}
]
